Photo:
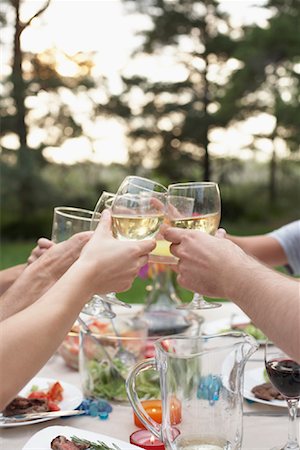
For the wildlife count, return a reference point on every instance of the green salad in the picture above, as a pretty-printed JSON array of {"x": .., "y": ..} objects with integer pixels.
[
  {"x": 104, "y": 381},
  {"x": 248, "y": 328}
]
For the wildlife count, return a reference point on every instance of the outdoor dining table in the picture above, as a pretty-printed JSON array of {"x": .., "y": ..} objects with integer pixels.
[{"x": 261, "y": 432}]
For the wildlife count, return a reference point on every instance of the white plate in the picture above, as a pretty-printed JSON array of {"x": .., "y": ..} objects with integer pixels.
[
  {"x": 222, "y": 325},
  {"x": 42, "y": 439},
  {"x": 254, "y": 377},
  {"x": 72, "y": 397}
]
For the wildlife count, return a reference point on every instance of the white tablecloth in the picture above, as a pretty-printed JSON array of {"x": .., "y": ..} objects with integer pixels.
[{"x": 260, "y": 432}]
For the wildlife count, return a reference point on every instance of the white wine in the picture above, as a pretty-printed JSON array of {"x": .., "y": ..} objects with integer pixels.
[
  {"x": 162, "y": 248},
  {"x": 208, "y": 223},
  {"x": 161, "y": 253},
  {"x": 130, "y": 227},
  {"x": 204, "y": 444}
]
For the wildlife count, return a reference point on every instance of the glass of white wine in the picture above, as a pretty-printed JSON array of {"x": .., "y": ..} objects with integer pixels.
[
  {"x": 68, "y": 221},
  {"x": 138, "y": 209},
  {"x": 195, "y": 206}
]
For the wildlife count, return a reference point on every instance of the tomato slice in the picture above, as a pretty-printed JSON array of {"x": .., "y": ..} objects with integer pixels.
[
  {"x": 55, "y": 392},
  {"x": 53, "y": 406},
  {"x": 38, "y": 394}
]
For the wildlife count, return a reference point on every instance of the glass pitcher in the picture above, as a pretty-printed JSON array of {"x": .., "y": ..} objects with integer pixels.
[{"x": 203, "y": 378}]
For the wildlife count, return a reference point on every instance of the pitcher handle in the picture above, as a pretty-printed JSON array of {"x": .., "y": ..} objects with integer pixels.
[{"x": 144, "y": 417}]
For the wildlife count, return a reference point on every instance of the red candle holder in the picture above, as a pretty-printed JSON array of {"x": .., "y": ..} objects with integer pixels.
[{"x": 145, "y": 439}]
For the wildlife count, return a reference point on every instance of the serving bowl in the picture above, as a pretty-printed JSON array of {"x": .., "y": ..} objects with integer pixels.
[{"x": 106, "y": 356}]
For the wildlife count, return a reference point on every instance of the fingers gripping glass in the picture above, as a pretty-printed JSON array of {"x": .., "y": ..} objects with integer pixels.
[
  {"x": 138, "y": 209},
  {"x": 68, "y": 221},
  {"x": 195, "y": 206}
]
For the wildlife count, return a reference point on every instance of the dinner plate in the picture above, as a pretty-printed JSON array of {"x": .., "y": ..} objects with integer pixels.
[
  {"x": 223, "y": 325},
  {"x": 72, "y": 397},
  {"x": 254, "y": 377},
  {"x": 42, "y": 439}
]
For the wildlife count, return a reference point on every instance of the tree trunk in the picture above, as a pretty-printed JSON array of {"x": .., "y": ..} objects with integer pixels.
[
  {"x": 18, "y": 82},
  {"x": 272, "y": 180},
  {"x": 206, "y": 158}
]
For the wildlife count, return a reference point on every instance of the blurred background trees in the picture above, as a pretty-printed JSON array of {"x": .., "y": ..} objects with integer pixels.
[{"x": 227, "y": 109}]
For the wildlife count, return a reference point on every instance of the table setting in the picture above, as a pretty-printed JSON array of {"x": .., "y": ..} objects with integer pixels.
[
  {"x": 160, "y": 375},
  {"x": 264, "y": 423}
]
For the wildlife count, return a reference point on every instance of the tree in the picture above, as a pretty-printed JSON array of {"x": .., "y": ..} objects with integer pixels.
[
  {"x": 35, "y": 78},
  {"x": 269, "y": 80},
  {"x": 170, "y": 128}
]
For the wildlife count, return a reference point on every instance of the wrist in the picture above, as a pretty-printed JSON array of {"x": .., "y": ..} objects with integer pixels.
[{"x": 239, "y": 274}]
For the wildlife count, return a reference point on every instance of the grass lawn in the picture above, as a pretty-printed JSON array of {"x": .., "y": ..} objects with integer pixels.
[{"x": 13, "y": 253}]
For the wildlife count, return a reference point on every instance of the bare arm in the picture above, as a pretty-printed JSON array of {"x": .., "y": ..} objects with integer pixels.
[
  {"x": 9, "y": 276},
  {"x": 39, "y": 276},
  {"x": 218, "y": 268},
  {"x": 104, "y": 265},
  {"x": 265, "y": 248}
]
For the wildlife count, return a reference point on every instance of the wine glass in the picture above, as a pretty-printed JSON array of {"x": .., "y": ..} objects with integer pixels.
[
  {"x": 195, "y": 206},
  {"x": 104, "y": 202},
  {"x": 68, "y": 221},
  {"x": 138, "y": 209},
  {"x": 284, "y": 374}
]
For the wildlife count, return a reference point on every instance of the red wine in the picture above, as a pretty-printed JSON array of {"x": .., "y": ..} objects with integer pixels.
[{"x": 284, "y": 374}]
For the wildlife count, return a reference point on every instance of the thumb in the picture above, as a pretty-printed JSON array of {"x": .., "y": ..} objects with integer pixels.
[
  {"x": 220, "y": 233},
  {"x": 104, "y": 226}
]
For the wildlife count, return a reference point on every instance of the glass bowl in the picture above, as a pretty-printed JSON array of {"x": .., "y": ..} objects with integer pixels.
[
  {"x": 106, "y": 357},
  {"x": 69, "y": 348}
]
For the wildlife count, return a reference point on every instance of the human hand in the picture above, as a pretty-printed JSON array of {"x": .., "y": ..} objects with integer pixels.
[
  {"x": 111, "y": 264},
  {"x": 53, "y": 260},
  {"x": 206, "y": 263},
  {"x": 43, "y": 244}
]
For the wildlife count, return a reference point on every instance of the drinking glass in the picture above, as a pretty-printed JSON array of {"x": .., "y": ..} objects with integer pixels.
[
  {"x": 104, "y": 202},
  {"x": 138, "y": 209},
  {"x": 195, "y": 206},
  {"x": 68, "y": 221},
  {"x": 284, "y": 374}
]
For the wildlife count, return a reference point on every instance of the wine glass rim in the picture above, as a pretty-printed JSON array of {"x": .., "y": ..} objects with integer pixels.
[
  {"x": 146, "y": 179},
  {"x": 192, "y": 184},
  {"x": 70, "y": 212}
]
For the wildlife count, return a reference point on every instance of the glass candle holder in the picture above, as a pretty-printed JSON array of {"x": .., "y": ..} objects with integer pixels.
[{"x": 146, "y": 440}]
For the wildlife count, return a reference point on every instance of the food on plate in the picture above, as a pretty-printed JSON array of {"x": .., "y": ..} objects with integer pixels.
[
  {"x": 266, "y": 391},
  {"x": 36, "y": 401},
  {"x": 251, "y": 329},
  {"x": 23, "y": 405},
  {"x": 62, "y": 443},
  {"x": 248, "y": 328}
]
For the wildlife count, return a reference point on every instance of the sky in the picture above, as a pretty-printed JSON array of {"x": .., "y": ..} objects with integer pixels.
[{"x": 103, "y": 27}]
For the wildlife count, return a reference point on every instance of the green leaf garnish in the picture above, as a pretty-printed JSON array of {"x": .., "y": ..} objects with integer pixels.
[
  {"x": 34, "y": 388},
  {"x": 93, "y": 445}
]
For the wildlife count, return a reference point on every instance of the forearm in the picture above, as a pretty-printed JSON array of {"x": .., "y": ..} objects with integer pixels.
[
  {"x": 32, "y": 283},
  {"x": 9, "y": 276},
  {"x": 265, "y": 248},
  {"x": 30, "y": 337},
  {"x": 272, "y": 301}
]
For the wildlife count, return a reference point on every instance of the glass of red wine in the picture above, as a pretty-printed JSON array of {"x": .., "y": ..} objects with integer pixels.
[{"x": 284, "y": 374}]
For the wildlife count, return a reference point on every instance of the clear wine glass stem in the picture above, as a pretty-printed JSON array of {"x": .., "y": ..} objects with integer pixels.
[
  {"x": 292, "y": 443},
  {"x": 198, "y": 302}
]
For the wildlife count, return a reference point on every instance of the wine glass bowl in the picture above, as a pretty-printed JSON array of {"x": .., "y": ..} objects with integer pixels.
[
  {"x": 284, "y": 375},
  {"x": 138, "y": 209},
  {"x": 135, "y": 217},
  {"x": 195, "y": 206},
  {"x": 67, "y": 221}
]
